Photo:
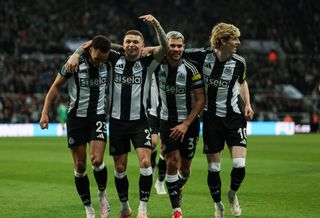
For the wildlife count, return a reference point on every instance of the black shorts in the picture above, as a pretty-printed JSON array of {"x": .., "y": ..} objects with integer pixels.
[
  {"x": 81, "y": 130},
  {"x": 218, "y": 130},
  {"x": 187, "y": 148},
  {"x": 154, "y": 124},
  {"x": 123, "y": 132}
]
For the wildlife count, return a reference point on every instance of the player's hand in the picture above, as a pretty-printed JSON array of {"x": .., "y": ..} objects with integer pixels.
[
  {"x": 44, "y": 121},
  {"x": 248, "y": 112},
  {"x": 179, "y": 131},
  {"x": 72, "y": 64},
  {"x": 149, "y": 19}
]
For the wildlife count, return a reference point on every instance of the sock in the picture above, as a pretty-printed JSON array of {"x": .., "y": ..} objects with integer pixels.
[
  {"x": 82, "y": 184},
  {"x": 237, "y": 176},
  {"x": 214, "y": 184},
  {"x": 101, "y": 175},
  {"x": 162, "y": 168},
  {"x": 145, "y": 183},
  {"x": 153, "y": 159},
  {"x": 182, "y": 180},
  {"x": 122, "y": 185},
  {"x": 172, "y": 182}
]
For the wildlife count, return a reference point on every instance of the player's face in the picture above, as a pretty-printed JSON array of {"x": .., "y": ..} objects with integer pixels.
[
  {"x": 231, "y": 45},
  {"x": 133, "y": 45},
  {"x": 175, "y": 50},
  {"x": 98, "y": 57}
]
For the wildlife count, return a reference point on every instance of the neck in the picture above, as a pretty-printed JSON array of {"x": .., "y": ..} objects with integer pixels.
[
  {"x": 173, "y": 63},
  {"x": 221, "y": 55}
]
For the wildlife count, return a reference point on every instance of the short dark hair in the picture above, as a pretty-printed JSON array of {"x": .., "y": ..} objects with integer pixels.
[
  {"x": 102, "y": 43},
  {"x": 134, "y": 32}
]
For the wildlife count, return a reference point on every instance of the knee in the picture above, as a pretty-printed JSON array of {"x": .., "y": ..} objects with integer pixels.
[
  {"x": 145, "y": 163},
  {"x": 120, "y": 168},
  {"x": 80, "y": 167},
  {"x": 238, "y": 162},
  {"x": 172, "y": 163}
]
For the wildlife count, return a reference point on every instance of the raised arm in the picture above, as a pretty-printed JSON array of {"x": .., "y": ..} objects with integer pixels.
[
  {"x": 51, "y": 96},
  {"x": 161, "y": 50},
  {"x": 245, "y": 95}
]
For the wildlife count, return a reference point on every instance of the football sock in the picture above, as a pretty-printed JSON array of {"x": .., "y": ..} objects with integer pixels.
[
  {"x": 182, "y": 179},
  {"x": 145, "y": 183},
  {"x": 237, "y": 176},
  {"x": 172, "y": 182},
  {"x": 101, "y": 175},
  {"x": 82, "y": 184},
  {"x": 122, "y": 185},
  {"x": 153, "y": 158},
  {"x": 162, "y": 168},
  {"x": 214, "y": 184}
]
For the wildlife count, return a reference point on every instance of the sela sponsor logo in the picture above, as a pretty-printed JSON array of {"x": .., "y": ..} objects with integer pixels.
[
  {"x": 90, "y": 82},
  {"x": 127, "y": 79},
  {"x": 172, "y": 89},
  {"x": 219, "y": 83}
]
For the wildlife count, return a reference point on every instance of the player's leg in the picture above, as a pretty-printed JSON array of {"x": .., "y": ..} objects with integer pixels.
[
  {"x": 141, "y": 140},
  {"x": 213, "y": 138},
  {"x": 154, "y": 142},
  {"x": 119, "y": 148},
  {"x": 160, "y": 183},
  {"x": 237, "y": 142},
  {"x": 81, "y": 178},
  {"x": 97, "y": 149},
  {"x": 172, "y": 178},
  {"x": 100, "y": 173},
  {"x": 172, "y": 154},
  {"x": 78, "y": 137}
]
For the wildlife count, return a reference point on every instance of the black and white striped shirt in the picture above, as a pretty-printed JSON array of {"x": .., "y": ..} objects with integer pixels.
[
  {"x": 154, "y": 102},
  {"x": 175, "y": 89},
  {"x": 222, "y": 80},
  {"x": 131, "y": 85},
  {"x": 87, "y": 88}
]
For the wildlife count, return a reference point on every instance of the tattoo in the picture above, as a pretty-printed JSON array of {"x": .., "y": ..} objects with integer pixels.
[
  {"x": 160, "y": 52},
  {"x": 79, "y": 51}
]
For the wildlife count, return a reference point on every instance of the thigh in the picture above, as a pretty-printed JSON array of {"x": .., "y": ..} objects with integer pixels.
[
  {"x": 77, "y": 132},
  {"x": 236, "y": 132},
  {"x": 168, "y": 143},
  {"x": 154, "y": 124},
  {"x": 119, "y": 137},
  {"x": 213, "y": 134},
  {"x": 140, "y": 134},
  {"x": 188, "y": 149},
  {"x": 97, "y": 128}
]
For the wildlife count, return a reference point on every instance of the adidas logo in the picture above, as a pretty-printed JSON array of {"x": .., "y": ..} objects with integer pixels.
[
  {"x": 101, "y": 136},
  {"x": 243, "y": 142}
]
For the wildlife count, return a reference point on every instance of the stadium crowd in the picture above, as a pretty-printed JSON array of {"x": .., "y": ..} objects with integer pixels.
[{"x": 34, "y": 35}]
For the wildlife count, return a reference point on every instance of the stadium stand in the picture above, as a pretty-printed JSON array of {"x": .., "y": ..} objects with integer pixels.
[{"x": 36, "y": 37}]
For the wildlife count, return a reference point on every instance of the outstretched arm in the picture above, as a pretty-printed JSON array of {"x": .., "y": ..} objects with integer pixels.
[
  {"x": 161, "y": 50},
  {"x": 51, "y": 96},
  {"x": 245, "y": 95}
]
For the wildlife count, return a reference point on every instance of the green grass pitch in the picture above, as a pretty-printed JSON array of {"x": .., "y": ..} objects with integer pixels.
[{"x": 282, "y": 180}]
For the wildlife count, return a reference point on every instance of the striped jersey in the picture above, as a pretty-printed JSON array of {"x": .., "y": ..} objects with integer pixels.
[
  {"x": 222, "y": 80},
  {"x": 87, "y": 88},
  {"x": 131, "y": 85},
  {"x": 154, "y": 102},
  {"x": 175, "y": 90}
]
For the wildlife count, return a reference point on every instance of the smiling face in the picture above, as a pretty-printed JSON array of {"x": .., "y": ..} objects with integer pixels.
[
  {"x": 175, "y": 50},
  {"x": 133, "y": 45},
  {"x": 230, "y": 46}
]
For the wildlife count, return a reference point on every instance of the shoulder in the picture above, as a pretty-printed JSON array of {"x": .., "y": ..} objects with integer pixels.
[{"x": 239, "y": 58}]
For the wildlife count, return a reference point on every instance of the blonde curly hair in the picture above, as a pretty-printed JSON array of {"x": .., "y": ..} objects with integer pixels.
[{"x": 223, "y": 31}]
